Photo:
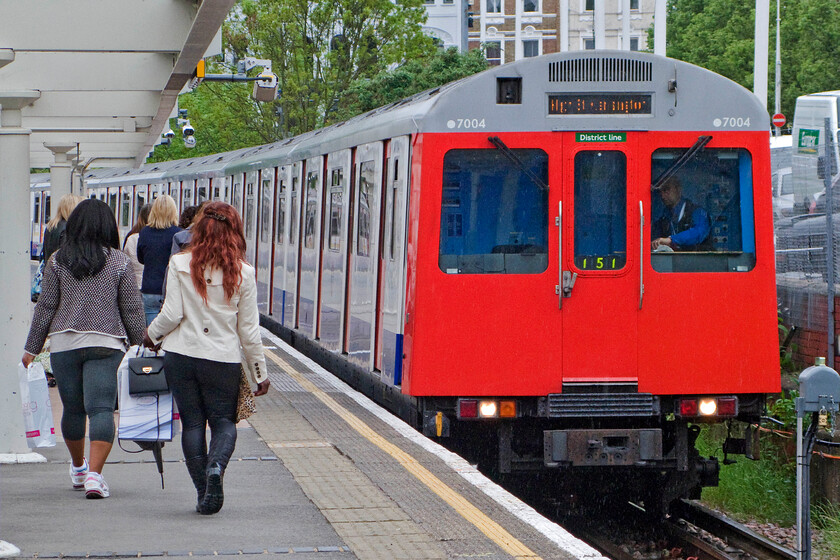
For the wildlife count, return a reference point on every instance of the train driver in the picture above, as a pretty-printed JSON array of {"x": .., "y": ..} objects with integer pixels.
[{"x": 683, "y": 225}]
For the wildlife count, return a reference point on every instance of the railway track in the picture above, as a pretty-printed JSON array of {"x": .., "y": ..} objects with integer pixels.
[{"x": 677, "y": 537}]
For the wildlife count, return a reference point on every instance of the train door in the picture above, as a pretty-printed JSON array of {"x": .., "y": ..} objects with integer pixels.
[
  {"x": 291, "y": 275},
  {"x": 392, "y": 263},
  {"x": 334, "y": 262},
  {"x": 310, "y": 249},
  {"x": 265, "y": 245},
  {"x": 364, "y": 261},
  {"x": 599, "y": 261},
  {"x": 705, "y": 265},
  {"x": 249, "y": 217},
  {"x": 281, "y": 241}
]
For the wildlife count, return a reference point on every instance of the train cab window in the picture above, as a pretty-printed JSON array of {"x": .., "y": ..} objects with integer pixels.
[
  {"x": 494, "y": 212},
  {"x": 702, "y": 214},
  {"x": 600, "y": 210}
]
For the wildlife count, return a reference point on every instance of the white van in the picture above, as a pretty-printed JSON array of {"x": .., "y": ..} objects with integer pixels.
[{"x": 808, "y": 161}]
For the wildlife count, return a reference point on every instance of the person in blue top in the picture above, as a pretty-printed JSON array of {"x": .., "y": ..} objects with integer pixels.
[
  {"x": 153, "y": 247},
  {"x": 683, "y": 226}
]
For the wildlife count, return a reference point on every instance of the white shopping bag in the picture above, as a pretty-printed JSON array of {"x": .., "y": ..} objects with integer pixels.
[
  {"x": 37, "y": 408},
  {"x": 144, "y": 417}
]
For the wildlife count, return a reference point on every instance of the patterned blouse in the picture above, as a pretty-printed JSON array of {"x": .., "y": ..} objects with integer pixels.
[{"x": 106, "y": 303}]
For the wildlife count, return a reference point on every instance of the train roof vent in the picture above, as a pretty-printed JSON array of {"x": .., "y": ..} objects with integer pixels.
[{"x": 600, "y": 70}]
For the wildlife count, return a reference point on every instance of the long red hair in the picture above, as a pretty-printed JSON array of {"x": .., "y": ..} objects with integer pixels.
[{"x": 217, "y": 242}]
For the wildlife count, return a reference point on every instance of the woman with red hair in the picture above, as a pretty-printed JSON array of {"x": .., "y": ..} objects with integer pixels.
[{"x": 209, "y": 328}]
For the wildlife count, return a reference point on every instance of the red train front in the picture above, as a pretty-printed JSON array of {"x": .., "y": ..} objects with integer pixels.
[{"x": 536, "y": 300}]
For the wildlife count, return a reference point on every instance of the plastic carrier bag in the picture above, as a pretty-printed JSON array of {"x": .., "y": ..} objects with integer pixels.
[
  {"x": 37, "y": 408},
  {"x": 144, "y": 417}
]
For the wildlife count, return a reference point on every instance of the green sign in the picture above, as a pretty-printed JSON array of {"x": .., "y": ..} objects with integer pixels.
[
  {"x": 600, "y": 137},
  {"x": 808, "y": 140}
]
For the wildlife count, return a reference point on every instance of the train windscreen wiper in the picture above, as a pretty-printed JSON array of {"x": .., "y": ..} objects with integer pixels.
[
  {"x": 508, "y": 153},
  {"x": 682, "y": 160}
]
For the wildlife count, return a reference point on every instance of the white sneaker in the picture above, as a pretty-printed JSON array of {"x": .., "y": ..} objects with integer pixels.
[
  {"x": 79, "y": 474},
  {"x": 95, "y": 486}
]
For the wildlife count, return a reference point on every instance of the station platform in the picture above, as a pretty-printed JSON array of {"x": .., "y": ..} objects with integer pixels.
[{"x": 319, "y": 472}]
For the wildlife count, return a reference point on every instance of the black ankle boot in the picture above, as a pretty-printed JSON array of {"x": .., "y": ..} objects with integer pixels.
[
  {"x": 214, "y": 497},
  {"x": 197, "y": 467}
]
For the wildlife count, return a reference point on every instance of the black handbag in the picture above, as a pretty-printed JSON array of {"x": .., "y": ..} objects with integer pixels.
[{"x": 146, "y": 376}]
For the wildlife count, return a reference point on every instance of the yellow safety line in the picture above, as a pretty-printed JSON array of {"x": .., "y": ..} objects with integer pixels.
[{"x": 493, "y": 530}]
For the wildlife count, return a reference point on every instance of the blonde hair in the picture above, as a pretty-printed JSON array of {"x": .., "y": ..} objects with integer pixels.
[
  {"x": 65, "y": 207},
  {"x": 164, "y": 213}
]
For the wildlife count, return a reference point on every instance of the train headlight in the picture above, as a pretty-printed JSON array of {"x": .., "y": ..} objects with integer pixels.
[
  {"x": 488, "y": 409},
  {"x": 708, "y": 407}
]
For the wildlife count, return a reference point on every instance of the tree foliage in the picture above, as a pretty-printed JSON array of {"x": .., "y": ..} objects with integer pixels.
[
  {"x": 719, "y": 35},
  {"x": 334, "y": 60}
]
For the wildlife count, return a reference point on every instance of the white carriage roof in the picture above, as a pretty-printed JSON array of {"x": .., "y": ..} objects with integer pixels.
[{"x": 108, "y": 73}]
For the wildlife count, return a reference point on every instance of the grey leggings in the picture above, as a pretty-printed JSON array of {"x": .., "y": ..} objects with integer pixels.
[{"x": 87, "y": 385}]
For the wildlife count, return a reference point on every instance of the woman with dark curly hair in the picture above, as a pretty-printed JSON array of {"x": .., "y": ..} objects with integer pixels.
[
  {"x": 90, "y": 308},
  {"x": 210, "y": 311}
]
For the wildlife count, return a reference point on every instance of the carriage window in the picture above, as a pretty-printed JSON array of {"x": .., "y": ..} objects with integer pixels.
[
  {"x": 266, "y": 209},
  {"x": 112, "y": 202},
  {"x": 125, "y": 210},
  {"x": 367, "y": 178},
  {"x": 494, "y": 215},
  {"x": 336, "y": 209},
  {"x": 48, "y": 210},
  {"x": 600, "y": 210},
  {"x": 701, "y": 215},
  {"x": 394, "y": 186},
  {"x": 37, "y": 209},
  {"x": 310, "y": 220},
  {"x": 294, "y": 216},
  {"x": 249, "y": 211}
]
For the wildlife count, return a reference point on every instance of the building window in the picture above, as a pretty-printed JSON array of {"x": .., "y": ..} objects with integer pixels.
[
  {"x": 493, "y": 52},
  {"x": 634, "y": 43},
  {"x": 530, "y": 6},
  {"x": 589, "y": 5},
  {"x": 530, "y": 48},
  {"x": 589, "y": 44},
  {"x": 494, "y": 6},
  {"x": 448, "y": 1},
  {"x": 429, "y": 2},
  {"x": 634, "y": 4}
]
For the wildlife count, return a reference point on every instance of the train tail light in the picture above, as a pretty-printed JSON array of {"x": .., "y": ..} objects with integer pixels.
[
  {"x": 507, "y": 409},
  {"x": 467, "y": 408},
  {"x": 707, "y": 407}
]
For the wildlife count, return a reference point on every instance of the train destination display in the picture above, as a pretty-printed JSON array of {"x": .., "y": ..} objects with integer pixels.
[{"x": 599, "y": 103}]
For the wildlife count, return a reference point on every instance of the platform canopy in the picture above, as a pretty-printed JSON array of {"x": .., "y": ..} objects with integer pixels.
[{"x": 108, "y": 71}]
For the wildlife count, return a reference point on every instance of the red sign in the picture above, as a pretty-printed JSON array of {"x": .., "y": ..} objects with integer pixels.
[{"x": 779, "y": 119}]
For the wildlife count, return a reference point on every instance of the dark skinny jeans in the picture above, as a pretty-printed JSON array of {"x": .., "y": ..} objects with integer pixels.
[
  {"x": 206, "y": 392},
  {"x": 87, "y": 385}
]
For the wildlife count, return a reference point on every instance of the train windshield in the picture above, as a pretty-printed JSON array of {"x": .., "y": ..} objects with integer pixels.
[
  {"x": 494, "y": 212},
  {"x": 702, "y": 218}
]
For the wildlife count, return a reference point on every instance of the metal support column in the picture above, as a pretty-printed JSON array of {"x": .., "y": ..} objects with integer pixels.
[
  {"x": 60, "y": 171},
  {"x": 14, "y": 262}
]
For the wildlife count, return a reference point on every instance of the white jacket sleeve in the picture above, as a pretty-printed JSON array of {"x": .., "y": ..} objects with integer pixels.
[
  {"x": 172, "y": 312},
  {"x": 248, "y": 326}
]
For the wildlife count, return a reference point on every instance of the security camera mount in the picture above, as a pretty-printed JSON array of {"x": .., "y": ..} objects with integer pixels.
[{"x": 265, "y": 84}]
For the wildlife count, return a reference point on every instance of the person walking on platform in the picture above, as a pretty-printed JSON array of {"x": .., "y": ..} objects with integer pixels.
[
  {"x": 54, "y": 234},
  {"x": 90, "y": 308},
  {"x": 153, "y": 247},
  {"x": 130, "y": 243},
  {"x": 208, "y": 322}
]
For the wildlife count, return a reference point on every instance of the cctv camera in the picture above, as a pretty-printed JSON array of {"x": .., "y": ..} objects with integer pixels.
[
  {"x": 169, "y": 134},
  {"x": 189, "y": 141},
  {"x": 188, "y": 130},
  {"x": 165, "y": 142}
]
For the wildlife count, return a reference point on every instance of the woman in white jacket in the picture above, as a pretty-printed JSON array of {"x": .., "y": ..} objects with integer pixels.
[{"x": 209, "y": 312}]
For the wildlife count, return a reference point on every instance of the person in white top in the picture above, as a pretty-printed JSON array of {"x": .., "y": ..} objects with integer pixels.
[
  {"x": 130, "y": 244},
  {"x": 209, "y": 328}
]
